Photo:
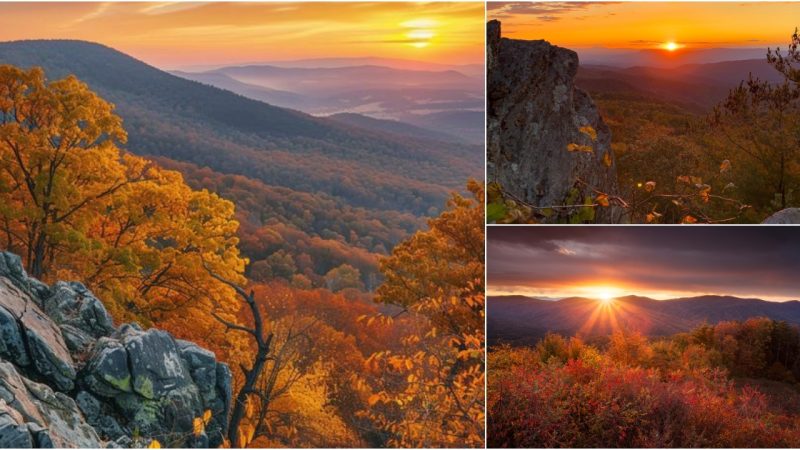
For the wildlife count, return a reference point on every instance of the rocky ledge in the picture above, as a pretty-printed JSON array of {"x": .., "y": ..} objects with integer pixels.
[
  {"x": 547, "y": 144},
  {"x": 69, "y": 378}
]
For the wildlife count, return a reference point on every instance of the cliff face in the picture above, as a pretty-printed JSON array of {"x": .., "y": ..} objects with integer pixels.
[
  {"x": 543, "y": 133},
  {"x": 69, "y": 378}
]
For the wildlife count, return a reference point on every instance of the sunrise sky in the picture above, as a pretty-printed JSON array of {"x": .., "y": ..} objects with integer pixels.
[
  {"x": 649, "y": 25},
  {"x": 656, "y": 262},
  {"x": 177, "y": 35}
]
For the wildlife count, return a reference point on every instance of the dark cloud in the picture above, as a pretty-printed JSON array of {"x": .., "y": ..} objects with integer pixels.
[{"x": 748, "y": 261}]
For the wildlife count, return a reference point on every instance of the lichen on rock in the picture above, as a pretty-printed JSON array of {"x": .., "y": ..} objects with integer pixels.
[{"x": 69, "y": 378}]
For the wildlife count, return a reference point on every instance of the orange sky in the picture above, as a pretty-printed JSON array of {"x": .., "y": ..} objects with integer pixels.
[
  {"x": 171, "y": 35},
  {"x": 649, "y": 25}
]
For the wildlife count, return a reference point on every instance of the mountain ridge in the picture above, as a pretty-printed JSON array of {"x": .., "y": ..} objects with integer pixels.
[
  {"x": 522, "y": 319},
  {"x": 261, "y": 141}
]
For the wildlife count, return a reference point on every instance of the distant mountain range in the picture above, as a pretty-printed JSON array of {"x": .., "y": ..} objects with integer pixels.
[
  {"x": 429, "y": 96},
  {"x": 169, "y": 116},
  {"x": 698, "y": 87},
  {"x": 660, "y": 58},
  {"x": 324, "y": 190},
  {"x": 524, "y": 320},
  {"x": 472, "y": 70}
]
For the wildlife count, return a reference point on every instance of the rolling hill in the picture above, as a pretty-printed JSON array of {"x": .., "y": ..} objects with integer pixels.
[
  {"x": 521, "y": 319},
  {"x": 312, "y": 193},
  {"x": 698, "y": 87},
  {"x": 418, "y": 96},
  {"x": 166, "y": 115}
]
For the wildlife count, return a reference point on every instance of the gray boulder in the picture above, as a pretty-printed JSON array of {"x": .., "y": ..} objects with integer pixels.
[
  {"x": 786, "y": 216},
  {"x": 157, "y": 385},
  {"x": 133, "y": 385},
  {"x": 11, "y": 268},
  {"x": 79, "y": 313},
  {"x": 546, "y": 142},
  {"x": 13, "y": 431},
  {"x": 49, "y": 417},
  {"x": 46, "y": 350}
]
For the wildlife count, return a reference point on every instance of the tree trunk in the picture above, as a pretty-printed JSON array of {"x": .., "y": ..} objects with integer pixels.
[{"x": 251, "y": 378}]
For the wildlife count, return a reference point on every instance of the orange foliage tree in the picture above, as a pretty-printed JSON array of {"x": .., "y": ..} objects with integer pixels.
[
  {"x": 76, "y": 206},
  {"x": 430, "y": 392}
]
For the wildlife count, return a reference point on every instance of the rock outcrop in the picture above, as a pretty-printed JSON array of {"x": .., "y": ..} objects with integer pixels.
[
  {"x": 546, "y": 142},
  {"x": 788, "y": 216},
  {"x": 69, "y": 378}
]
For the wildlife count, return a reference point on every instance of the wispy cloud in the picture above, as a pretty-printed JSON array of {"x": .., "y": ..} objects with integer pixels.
[
  {"x": 154, "y": 9},
  {"x": 544, "y": 11},
  {"x": 99, "y": 11}
]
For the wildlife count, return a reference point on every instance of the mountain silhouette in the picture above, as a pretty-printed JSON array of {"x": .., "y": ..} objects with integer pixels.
[{"x": 523, "y": 319}]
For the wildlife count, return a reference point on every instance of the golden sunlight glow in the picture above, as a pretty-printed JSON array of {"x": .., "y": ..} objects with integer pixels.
[
  {"x": 188, "y": 34},
  {"x": 670, "y": 46},
  {"x": 606, "y": 294},
  {"x": 421, "y": 33},
  {"x": 642, "y": 25}
]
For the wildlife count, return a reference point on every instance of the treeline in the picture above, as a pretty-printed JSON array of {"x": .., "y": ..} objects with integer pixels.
[
  {"x": 734, "y": 384},
  {"x": 739, "y": 163}
]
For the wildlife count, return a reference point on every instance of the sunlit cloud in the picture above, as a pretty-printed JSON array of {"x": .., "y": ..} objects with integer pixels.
[
  {"x": 658, "y": 262},
  {"x": 179, "y": 34},
  {"x": 647, "y": 24},
  {"x": 169, "y": 7}
]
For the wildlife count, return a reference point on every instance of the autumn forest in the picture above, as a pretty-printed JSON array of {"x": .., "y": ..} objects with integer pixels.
[
  {"x": 672, "y": 121},
  {"x": 334, "y": 271},
  {"x": 354, "y": 224}
]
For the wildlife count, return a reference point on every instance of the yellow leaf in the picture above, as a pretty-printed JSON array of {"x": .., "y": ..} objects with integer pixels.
[
  {"x": 705, "y": 192},
  {"x": 688, "y": 219},
  {"x": 589, "y": 131},
  {"x": 607, "y": 159},
  {"x": 602, "y": 200},
  {"x": 207, "y": 416},
  {"x": 154, "y": 444},
  {"x": 579, "y": 148},
  {"x": 373, "y": 399},
  {"x": 198, "y": 426}
]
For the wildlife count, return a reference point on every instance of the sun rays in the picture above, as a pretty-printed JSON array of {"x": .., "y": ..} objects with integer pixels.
[{"x": 610, "y": 314}]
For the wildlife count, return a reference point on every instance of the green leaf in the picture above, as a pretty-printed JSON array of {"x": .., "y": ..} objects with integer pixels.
[{"x": 495, "y": 212}]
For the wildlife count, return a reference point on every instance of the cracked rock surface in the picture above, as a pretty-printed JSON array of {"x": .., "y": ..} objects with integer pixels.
[
  {"x": 70, "y": 378},
  {"x": 535, "y": 113}
]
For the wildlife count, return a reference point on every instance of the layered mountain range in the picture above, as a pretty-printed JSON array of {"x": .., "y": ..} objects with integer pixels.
[
  {"x": 524, "y": 320},
  {"x": 698, "y": 87},
  {"x": 333, "y": 190},
  {"x": 436, "y": 98}
]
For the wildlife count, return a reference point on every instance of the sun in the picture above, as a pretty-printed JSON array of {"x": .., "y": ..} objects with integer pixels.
[
  {"x": 606, "y": 294},
  {"x": 420, "y": 32},
  {"x": 671, "y": 46}
]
